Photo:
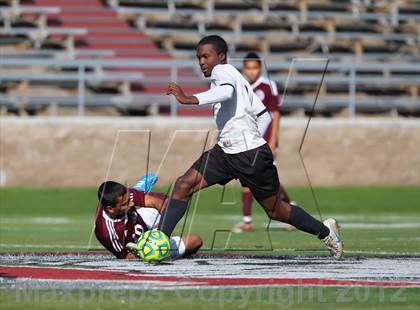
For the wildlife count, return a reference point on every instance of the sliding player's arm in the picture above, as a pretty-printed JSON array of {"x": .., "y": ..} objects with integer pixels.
[{"x": 156, "y": 201}]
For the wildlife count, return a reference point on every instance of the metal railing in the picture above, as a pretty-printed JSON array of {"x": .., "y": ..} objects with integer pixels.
[
  {"x": 351, "y": 75},
  {"x": 393, "y": 16}
]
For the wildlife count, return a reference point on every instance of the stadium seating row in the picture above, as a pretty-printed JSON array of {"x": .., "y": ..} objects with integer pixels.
[
  {"x": 356, "y": 36},
  {"x": 278, "y": 27}
]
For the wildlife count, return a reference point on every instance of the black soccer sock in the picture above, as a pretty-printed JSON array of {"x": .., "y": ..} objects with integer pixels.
[
  {"x": 305, "y": 222},
  {"x": 173, "y": 213}
]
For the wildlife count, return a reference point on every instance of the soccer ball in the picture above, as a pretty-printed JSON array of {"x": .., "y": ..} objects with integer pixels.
[{"x": 153, "y": 246}]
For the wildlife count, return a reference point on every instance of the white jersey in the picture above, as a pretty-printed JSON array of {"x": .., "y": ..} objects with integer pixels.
[{"x": 236, "y": 118}]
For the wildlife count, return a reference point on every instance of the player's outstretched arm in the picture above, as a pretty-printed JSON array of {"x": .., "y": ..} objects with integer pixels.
[
  {"x": 176, "y": 90},
  {"x": 216, "y": 94},
  {"x": 157, "y": 201}
]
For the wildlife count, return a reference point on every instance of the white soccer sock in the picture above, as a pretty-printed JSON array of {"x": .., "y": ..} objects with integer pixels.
[{"x": 247, "y": 219}]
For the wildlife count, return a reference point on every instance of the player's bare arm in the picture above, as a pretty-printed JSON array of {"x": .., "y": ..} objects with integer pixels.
[{"x": 156, "y": 201}]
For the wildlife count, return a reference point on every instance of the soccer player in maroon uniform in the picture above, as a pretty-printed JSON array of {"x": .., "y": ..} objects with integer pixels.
[
  {"x": 119, "y": 222},
  {"x": 266, "y": 90}
]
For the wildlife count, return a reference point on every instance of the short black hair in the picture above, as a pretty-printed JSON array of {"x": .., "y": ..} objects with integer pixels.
[
  {"x": 109, "y": 191},
  {"x": 253, "y": 56},
  {"x": 217, "y": 41}
]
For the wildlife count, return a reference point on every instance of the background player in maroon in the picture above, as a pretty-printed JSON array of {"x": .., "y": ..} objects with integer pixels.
[
  {"x": 266, "y": 90},
  {"x": 119, "y": 222}
]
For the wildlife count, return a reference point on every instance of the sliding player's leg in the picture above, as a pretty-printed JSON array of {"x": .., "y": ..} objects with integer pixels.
[
  {"x": 185, "y": 246},
  {"x": 192, "y": 244},
  {"x": 180, "y": 246}
]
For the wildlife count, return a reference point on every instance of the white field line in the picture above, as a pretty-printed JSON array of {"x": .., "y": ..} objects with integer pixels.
[
  {"x": 391, "y": 217},
  {"x": 380, "y": 252},
  {"x": 398, "y": 238},
  {"x": 370, "y": 226},
  {"x": 74, "y": 246},
  {"x": 43, "y": 220},
  {"x": 357, "y": 251},
  {"x": 374, "y": 226},
  {"x": 46, "y": 246},
  {"x": 381, "y": 226},
  {"x": 36, "y": 220}
]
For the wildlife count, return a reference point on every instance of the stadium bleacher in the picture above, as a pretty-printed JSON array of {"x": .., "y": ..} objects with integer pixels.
[{"x": 122, "y": 53}]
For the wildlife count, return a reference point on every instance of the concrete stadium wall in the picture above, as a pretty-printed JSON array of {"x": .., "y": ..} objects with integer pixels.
[{"x": 84, "y": 152}]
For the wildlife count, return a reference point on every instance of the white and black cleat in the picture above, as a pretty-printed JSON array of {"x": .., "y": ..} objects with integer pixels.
[{"x": 333, "y": 241}]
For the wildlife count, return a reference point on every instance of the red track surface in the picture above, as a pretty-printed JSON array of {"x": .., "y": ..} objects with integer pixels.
[{"x": 51, "y": 273}]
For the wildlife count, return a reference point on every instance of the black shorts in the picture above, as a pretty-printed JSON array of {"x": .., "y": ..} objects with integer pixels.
[{"x": 254, "y": 169}]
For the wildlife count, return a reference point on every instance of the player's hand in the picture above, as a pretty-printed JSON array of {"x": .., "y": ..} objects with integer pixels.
[
  {"x": 132, "y": 250},
  {"x": 131, "y": 256},
  {"x": 176, "y": 90}
]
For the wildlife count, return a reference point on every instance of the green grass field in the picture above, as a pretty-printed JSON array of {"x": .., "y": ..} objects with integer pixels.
[
  {"x": 304, "y": 298},
  {"x": 375, "y": 221}
]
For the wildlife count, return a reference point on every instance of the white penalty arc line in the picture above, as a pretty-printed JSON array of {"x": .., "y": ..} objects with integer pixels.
[
  {"x": 43, "y": 246},
  {"x": 84, "y": 247}
]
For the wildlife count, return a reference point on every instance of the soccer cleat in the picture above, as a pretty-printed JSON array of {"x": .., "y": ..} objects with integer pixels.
[
  {"x": 145, "y": 183},
  {"x": 333, "y": 241}
]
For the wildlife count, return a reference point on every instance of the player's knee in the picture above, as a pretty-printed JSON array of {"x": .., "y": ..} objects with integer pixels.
[
  {"x": 197, "y": 242},
  {"x": 271, "y": 214},
  {"x": 183, "y": 188},
  {"x": 276, "y": 209},
  {"x": 281, "y": 212},
  {"x": 192, "y": 244}
]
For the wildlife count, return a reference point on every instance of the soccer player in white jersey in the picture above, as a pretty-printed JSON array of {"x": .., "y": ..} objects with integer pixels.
[{"x": 240, "y": 152}]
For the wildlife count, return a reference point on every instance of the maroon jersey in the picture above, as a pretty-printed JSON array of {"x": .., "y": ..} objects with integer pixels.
[
  {"x": 114, "y": 234},
  {"x": 266, "y": 90}
]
